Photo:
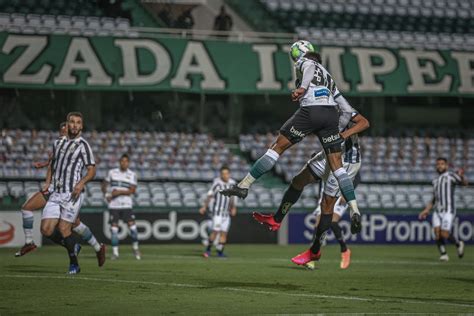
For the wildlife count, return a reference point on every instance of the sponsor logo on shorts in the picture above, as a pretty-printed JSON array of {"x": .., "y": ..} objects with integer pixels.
[
  {"x": 331, "y": 138},
  {"x": 296, "y": 132}
]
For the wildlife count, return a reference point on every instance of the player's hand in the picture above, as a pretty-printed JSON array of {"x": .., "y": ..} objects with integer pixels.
[
  {"x": 233, "y": 212},
  {"x": 423, "y": 215},
  {"x": 297, "y": 94},
  {"x": 343, "y": 135},
  {"x": 108, "y": 197},
  {"x": 77, "y": 192},
  {"x": 461, "y": 172},
  {"x": 202, "y": 210},
  {"x": 37, "y": 165},
  {"x": 45, "y": 187}
]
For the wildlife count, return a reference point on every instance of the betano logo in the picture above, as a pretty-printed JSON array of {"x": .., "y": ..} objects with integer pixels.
[
  {"x": 7, "y": 232},
  {"x": 331, "y": 138}
]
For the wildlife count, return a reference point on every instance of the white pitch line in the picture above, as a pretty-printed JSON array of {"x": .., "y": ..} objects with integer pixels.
[{"x": 234, "y": 289}]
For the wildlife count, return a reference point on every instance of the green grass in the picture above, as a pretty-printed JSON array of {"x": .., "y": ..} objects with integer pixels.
[{"x": 255, "y": 279}]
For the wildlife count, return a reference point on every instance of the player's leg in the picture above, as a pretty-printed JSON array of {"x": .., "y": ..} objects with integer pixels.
[
  {"x": 132, "y": 226},
  {"x": 291, "y": 196},
  {"x": 86, "y": 234},
  {"x": 339, "y": 209},
  {"x": 114, "y": 229},
  {"x": 440, "y": 243},
  {"x": 35, "y": 202},
  {"x": 314, "y": 253},
  {"x": 49, "y": 221},
  {"x": 221, "y": 245},
  {"x": 212, "y": 237},
  {"x": 207, "y": 232},
  {"x": 293, "y": 131},
  {"x": 65, "y": 228},
  {"x": 446, "y": 230}
]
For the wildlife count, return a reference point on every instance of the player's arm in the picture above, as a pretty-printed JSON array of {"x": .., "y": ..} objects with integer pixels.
[
  {"x": 129, "y": 191},
  {"x": 233, "y": 206},
  {"x": 426, "y": 211},
  {"x": 208, "y": 198},
  {"x": 41, "y": 165},
  {"x": 91, "y": 170},
  {"x": 460, "y": 178},
  {"x": 308, "y": 69},
  {"x": 49, "y": 177}
]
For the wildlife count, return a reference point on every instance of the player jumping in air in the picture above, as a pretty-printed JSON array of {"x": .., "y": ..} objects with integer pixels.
[
  {"x": 123, "y": 184},
  {"x": 71, "y": 155},
  {"x": 445, "y": 210},
  {"x": 317, "y": 95},
  {"x": 221, "y": 207},
  {"x": 317, "y": 169},
  {"x": 38, "y": 201}
]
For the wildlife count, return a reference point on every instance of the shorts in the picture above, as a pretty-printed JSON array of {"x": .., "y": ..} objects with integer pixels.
[
  {"x": 126, "y": 214},
  {"x": 60, "y": 206},
  {"x": 443, "y": 220},
  {"x": 320, "y": 120},
  {"x": 320, "y": 169},
  {"x": 220, "y": 223},
  {"x": 339, "y": 209}
]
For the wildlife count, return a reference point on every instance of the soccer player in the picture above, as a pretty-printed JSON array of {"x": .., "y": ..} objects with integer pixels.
[
  {"x": 445, "y": 210},
  {"x": 38, "y": 201},
  {"x": 317, "y": 95},
  {"x": 71, "y": 156},
  {"x": 123, "y": 184},
  {"x": 222, "y": 207},
  {"x": 350, "y": 124}
]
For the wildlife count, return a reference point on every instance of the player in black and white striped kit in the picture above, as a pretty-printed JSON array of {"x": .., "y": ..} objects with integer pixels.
[
  {"x": 222, "y": 208},
  {"x": 445, "y": 209},
  {"x": 71, "y": 155}
]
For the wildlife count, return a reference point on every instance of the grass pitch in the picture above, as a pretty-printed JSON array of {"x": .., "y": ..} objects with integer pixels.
[{"x": 255, "y": 279}]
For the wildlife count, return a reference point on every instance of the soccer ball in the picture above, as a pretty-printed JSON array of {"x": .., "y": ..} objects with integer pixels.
[{"x": 299, "y": 48}]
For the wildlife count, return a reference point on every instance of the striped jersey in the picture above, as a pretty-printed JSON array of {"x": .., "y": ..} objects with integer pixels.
[
  {"x": 443, "y": 192},
  {"x": 70, "y": 157},
  {"x": 321, "y": 90},
  {"x": 351, "y": 147},
  {"x": 121, "y": 180},
  {"x": 220, "y": 204}
]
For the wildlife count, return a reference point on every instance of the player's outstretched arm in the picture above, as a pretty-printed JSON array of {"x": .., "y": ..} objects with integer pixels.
[
  {"x": 426, "y": 211},
  {"x": 463, "y": 181}
]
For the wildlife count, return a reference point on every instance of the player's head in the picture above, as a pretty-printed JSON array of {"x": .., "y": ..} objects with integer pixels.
[
  {"x": 441, "y": 165},
  {"x": 74, "y": 124},
  {"x": 63, "y": 129},
  {"x": 124, "y": 162},
  {"x": 225, "y": 173},
  {"x": 300, "y": 48}
]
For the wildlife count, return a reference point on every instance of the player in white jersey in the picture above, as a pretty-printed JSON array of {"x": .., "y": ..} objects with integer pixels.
[
  {"x": 38, "y": 201},
  {"x": 350, "y": 124},
  {"x": 318, "y": 96},
  {"x": 71, "y": 155},
  {"x": 221, "y": 208},
  {"x": 123, "y": 184},
  {"x": 445, "y": 209}
]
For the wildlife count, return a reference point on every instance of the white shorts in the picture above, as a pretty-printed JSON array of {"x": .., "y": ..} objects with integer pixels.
[
  {"x": 59, "y": 206},
  {"x": 338, "y": 208},
  {"x": 320, "y": 168},
  {"x": 443, "y": 220},
  {"x": 221, "y": 223}
]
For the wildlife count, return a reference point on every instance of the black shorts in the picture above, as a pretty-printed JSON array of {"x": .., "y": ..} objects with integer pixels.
[
  {"x": 126, "y": 214},
  {"x": 320, "y": 120}
]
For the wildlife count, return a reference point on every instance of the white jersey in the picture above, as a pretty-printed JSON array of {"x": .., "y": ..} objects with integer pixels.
[
  {"x": 351, "y": 149},
  {"x": 220, "y": 204},
  {"x": 320, "y": 87},
  {"x": 121, "y": 180}
]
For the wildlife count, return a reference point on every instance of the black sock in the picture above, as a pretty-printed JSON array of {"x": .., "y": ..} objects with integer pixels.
[
  {"x": 290, "y": 197},
  {"x": 440, "y": 243},
  {"x": 453, "y": 240},
  {"x": 336, "y": 229},
  {"x": 69, "y": 243},
  {"x": 57, "y": 238},
  {"x": 323, "y": 226},
  {"x": 209, "y": 246}
]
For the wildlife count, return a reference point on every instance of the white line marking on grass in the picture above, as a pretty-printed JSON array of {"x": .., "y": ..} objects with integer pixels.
[{"x": 234, "y": 289}]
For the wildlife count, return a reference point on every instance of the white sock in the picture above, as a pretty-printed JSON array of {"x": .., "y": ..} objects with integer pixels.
[
  {"x": 84, "y": 231},
  {"x": 28, "y": 225},
  {"x": 353, "y": 206},
  {"x": 246, "y": 182},
  {"x": 115, "y": 251},
  {"x": 135, "y": 245}
]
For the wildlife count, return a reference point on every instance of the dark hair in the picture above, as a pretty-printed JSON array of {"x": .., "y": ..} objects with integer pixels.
[
  {"x": 224, "y": 167},
  {"x": 62, "y": 124},
  {"x": 125, "y": 156},
  {"x": 79, "y": 114},
  {"x": 442, "y": 158},
  {"x": 313, "y": 56}
]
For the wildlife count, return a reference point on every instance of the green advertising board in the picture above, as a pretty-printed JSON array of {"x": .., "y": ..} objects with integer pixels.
[{"x": 145, "y": 64}]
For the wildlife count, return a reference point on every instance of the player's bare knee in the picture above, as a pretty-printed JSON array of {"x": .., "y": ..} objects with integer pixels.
[{"x": 65, "y": 228}]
